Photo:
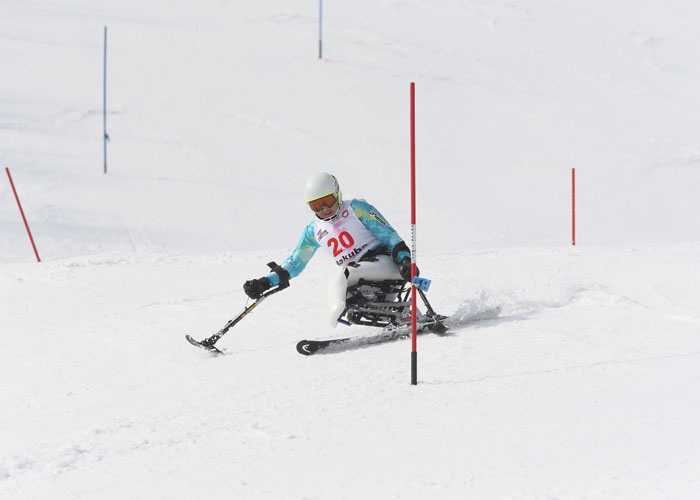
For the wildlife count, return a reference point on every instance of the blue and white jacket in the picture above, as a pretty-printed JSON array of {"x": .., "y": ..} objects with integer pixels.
[{"x": 359, "y": 228}]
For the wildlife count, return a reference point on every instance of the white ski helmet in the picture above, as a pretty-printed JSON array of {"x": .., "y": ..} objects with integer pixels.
[{"x": 320, "y": 185}]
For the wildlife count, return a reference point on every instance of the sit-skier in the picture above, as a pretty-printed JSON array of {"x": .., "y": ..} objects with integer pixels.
[{"x": 354, "y": 232}]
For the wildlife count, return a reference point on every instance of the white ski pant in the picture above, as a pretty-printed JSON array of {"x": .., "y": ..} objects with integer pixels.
[{"x": 380, "y": 268}]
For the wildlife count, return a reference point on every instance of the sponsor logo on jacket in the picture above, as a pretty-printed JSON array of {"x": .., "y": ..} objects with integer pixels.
[{"x": 377, "y": 217}]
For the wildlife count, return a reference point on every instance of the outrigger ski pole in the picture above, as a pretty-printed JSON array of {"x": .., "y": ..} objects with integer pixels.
[{"x": 208, "y": 343}]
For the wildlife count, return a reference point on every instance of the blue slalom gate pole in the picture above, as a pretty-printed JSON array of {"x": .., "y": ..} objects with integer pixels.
[
  {"x": 320, "y": 29},
  {"x": 104, "y": 102}
]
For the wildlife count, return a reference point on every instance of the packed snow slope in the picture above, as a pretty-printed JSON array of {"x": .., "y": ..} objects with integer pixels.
[{"x": 585, "y": 386}]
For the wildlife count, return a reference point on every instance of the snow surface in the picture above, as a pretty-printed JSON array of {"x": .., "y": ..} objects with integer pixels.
[{"x": 586, "y": 386}]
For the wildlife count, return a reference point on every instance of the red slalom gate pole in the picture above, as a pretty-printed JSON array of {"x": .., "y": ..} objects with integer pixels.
[
  {"x": 22, "y": 212},
  {"x": 414, "y": 351},
  {"x": 573, "y": 206}
]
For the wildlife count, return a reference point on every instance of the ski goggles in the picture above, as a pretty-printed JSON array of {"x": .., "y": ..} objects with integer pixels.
[{"x": 326, "y": 201}]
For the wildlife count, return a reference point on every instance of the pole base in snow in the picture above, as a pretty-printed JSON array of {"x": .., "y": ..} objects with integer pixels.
[{"x": 414, "y": 368}]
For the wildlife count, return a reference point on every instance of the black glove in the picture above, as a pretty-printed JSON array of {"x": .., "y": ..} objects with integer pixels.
[
  {"x": 405, "y": 269},
  {"x": 255, "y": 288}
]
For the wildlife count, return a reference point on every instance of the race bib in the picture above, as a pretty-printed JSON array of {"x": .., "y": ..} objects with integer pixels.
[{"x": 345, "y": 238}]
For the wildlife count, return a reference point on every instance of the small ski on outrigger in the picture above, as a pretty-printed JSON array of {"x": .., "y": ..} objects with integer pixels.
[{"x": 208, "y": 344}]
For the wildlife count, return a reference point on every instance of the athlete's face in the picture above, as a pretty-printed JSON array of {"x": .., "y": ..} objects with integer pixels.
[
  {"x": 325, "y": 207},
  {"x": 327, "y": 212}
]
